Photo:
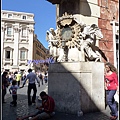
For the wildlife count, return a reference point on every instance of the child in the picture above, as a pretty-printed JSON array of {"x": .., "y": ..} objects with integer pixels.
[
  {"x": 13, "y": 90},
  {"x": 46, "y": 77}
]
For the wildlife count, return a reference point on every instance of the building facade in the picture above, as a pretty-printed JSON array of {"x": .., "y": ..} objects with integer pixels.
[
  {"x": 109, "y": 24},
  {"x": 39, "y": 55},
  {"x": 17, "y": 30}
]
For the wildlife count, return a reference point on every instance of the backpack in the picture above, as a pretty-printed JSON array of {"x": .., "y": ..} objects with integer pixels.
[
  {"x": 14, "y": 91},
  {"x": 40, "y": 76}
]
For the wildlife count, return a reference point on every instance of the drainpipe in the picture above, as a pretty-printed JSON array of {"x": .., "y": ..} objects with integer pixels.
[{"x": 114, "y": 43}]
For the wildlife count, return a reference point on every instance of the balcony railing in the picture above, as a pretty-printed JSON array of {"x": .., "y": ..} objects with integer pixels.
[
  {"x": 7, "y": 61},
  {"x": 24, "y": 38},
  {"x": 23, "y": 61},
  {"x": 9, "y": 37}
]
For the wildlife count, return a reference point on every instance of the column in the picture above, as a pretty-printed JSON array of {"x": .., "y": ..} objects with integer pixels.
[
  {"x": 30, "y": 50},
  {"x": 16, "y": 47},
  {"x": 114, "y": 44},
  {"x": 2, "y": 45}
]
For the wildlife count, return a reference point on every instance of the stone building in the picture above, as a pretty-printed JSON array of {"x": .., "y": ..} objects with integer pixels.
[
  {"x": 109, "y": 24},
  {"x": 18, "y": 42},
  {"x": 103, "y": 13},
  {"x": 39, "y": 53}
]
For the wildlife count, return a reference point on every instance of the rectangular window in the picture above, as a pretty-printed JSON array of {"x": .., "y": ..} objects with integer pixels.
[
  {"x": 7, "y": 54},
  {"x": 22, "y": 55},
  {"x": 24, "y": 33},
  {"x": 9, "y": 15},
  {"x": 9, "y": 31},
  {"x": 24, "y": 17}
]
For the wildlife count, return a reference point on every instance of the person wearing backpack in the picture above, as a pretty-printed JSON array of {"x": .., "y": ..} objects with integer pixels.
[
  {"x": 41, "y": 77},
  {"x": 13, "y": 90},
  {"x": 46, "y": 77}
]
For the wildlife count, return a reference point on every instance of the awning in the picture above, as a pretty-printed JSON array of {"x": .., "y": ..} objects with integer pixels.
[{"x": 54, "y": 1}]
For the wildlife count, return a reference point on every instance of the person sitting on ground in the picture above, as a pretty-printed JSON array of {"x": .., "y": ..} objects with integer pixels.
[{"x": 45, "y": 111}]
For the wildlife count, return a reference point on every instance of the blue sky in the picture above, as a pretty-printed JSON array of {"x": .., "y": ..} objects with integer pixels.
[{"x": 44, "y": 12}]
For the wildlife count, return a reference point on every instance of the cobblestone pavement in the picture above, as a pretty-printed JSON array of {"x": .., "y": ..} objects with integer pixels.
[{"x": 22, "y": 108}]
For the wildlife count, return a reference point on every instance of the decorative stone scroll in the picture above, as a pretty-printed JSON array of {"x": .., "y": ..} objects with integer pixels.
[
  {"x": 31, "y": 31},
  {"x": 16, "y": 29},
  {"x": 3, "y": 28},
  {"x": 71, "y": 34}
]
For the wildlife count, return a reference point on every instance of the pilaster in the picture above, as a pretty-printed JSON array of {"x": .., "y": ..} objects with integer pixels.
[
  {"x": 2, "y": 44},
  {"x": 30, "y": 52},
  {"x": 16, "y": 45}
]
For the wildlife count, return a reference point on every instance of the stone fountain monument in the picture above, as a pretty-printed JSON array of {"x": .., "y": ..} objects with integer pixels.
[{"x": 76, "y": 79}]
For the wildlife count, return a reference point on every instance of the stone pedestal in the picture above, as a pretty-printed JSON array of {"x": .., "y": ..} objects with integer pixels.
[{"x": 77, "y": 86}]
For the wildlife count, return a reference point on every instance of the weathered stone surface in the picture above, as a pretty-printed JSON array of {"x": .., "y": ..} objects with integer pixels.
[{"x": 77, "y": 86}]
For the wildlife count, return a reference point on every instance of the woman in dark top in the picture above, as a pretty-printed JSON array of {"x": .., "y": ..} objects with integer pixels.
[{"x": 5, "y": 84}]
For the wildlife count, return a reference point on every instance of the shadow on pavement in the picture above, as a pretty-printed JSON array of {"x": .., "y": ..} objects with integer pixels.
[{"x": 22, "y": 108}]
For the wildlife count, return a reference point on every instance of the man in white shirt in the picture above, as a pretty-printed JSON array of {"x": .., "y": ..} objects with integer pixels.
[{"x": 31, "y": 77}]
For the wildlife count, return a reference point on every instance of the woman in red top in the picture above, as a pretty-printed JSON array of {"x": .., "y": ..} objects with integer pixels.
[{"x": 111, "y": 86}]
